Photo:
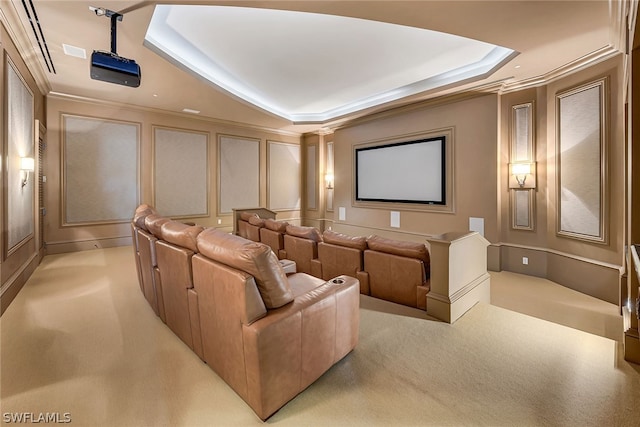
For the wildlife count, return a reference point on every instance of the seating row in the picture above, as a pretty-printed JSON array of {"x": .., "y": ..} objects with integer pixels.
[
  {"x": 389, "y": 269},
  {"x": 267, "y": 334}
]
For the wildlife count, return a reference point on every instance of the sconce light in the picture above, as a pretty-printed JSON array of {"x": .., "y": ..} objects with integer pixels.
[
  {"x": 328, "y": 178},
  {"x": 26, "y": 166},
  {"x": 522, "y": 175}
]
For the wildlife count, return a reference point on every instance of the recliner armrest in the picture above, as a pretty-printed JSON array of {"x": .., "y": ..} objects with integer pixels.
[
  {"x": 316, "y": 268},
  {"x": 363, "y": 277},
  {"x": 293, "y": 345}
]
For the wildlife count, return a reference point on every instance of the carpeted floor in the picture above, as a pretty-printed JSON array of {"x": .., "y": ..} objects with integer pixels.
[{"x": 81, "y": 340}]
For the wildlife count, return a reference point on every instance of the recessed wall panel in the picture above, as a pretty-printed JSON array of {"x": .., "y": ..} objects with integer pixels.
[
  {"x": 180, "y": 173},
  {"x": 581, "y": 162},
  {"x": 20, "y": 140},
  {"x": 100, "y": 168},
  {"x": 284, "y": 176},
  {"x": 239, "y": 173}
]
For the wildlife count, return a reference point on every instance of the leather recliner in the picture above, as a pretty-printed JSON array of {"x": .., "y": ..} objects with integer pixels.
[
  {"x": 396, "y": 271},
  {"x": 174, "y": 253},
  {"x": 301, "y": 246},
  {"x": 268, "y": 335},
  {"x": 340, "y": 254},
  {"x": 272, "y": 235}
]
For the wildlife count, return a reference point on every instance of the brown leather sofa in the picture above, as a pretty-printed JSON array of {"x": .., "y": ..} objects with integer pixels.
[
  {"x": 174, "y": 252},
  {"x": 272, "y": 235},
  {"x": 301, "y": 246},
  {"x": 340, "y": 254},
  {"x": 267, "y": 334},
  {"x": 249, "y": 225},
  {"x": 396, "y": 271},
  {"x": 145, "y": 226}
]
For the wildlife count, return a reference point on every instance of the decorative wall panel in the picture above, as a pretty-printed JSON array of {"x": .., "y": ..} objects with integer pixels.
[
  {"x": 284, "y": 176},
  {"x": 522, "y": 150},
  {"x": 312, "y": 177},
  {"x": 180, "y": 173},
  {"x": 20, "y": 140},
  {"x": 331, "y": 171},
  {"x": 581, "y": 162},
  {"x": 100, "y": 170},
  {"x": 239, "y": 173}
]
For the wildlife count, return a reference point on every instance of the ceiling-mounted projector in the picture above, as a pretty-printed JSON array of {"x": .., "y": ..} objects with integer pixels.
[{"x": 109, "y": 66}]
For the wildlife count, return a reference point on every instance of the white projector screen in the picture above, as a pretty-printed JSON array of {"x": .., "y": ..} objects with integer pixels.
[{"x": 405, "y": 172}]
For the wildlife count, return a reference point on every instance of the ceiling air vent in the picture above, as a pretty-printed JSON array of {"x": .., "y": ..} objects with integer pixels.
[{"x": 30, "y": 10}]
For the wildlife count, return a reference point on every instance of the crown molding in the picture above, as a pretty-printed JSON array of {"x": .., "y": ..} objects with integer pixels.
[
  {"x": 11, "y": 20},
  {"x": 230, "y": 123},
  {"x": 593, "y": 58},
  {"x": 467, "y": 93}
]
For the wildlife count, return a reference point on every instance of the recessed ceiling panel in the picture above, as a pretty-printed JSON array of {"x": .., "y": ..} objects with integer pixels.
[{"x": 310, "y": 67}]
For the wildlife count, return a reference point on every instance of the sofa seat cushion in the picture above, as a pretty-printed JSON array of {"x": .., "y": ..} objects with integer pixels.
[
  {"x": 254, "y": 258},
  {"x": 401, "y": 248},
  {"x": 357, "y": 242},
  {"x": 181, "y": 234},
  {"x": 309, "y": 233},
  {"x": 302, "y": 283}
]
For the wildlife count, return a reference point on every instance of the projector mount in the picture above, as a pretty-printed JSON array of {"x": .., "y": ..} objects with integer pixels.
[
  {"x": 108, "y": 66},
  {"x": 114, "y": 16}
]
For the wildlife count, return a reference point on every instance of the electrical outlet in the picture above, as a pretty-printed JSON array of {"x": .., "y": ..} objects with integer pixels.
[
  {"x": 525, "y": 260},
  {"x": 219, "y": 221}
]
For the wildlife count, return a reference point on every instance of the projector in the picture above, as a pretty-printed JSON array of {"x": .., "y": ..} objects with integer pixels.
[{"x": 109, "y": 67}]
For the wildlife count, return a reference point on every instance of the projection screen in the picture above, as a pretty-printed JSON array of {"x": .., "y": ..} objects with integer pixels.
[{"x": 405, "y": 172}]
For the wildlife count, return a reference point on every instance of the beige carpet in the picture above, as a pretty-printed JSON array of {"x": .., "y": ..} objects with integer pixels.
[{"x": 81, "y": 339}]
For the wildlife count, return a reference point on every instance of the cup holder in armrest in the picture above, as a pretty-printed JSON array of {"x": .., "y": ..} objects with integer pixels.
[{"x": 337, "y": 281}]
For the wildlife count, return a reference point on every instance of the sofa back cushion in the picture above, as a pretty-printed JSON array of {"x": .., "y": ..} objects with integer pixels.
[
  {"x": 357, "y": 242},
  {"x": 254, "y": 258},
  {"x": 141, "y": 213},
  {"x": 400, "y": 248},
  {"x": 245, "y": 216},
  {"x": 310, "y": 233},
  {"x": 273, "y": 225},
  {"x": 181, "y": 234},
  {"x": 257, "y": 221},
  {"x": 154, "y": 223}
]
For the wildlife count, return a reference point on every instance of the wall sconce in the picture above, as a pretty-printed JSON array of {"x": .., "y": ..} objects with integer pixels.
[
  {"x": 522, "y": 175},
  {"x": 328, "y": 178},
  {"x": 26, "y": 165}
]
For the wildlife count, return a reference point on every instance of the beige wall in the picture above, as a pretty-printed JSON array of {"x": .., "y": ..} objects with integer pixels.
[
  {"x": 17, "y": 266},
  {"x": 481, "y": 157},
  {"x": 61, "y": 238},
  {"x": 474, "y": 122},
  {"x": 593, "y": 268}
]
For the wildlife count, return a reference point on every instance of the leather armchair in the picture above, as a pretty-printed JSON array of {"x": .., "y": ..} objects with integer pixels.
[
  {"x": 301, "y": 246},
  {"x": 268, "y": 335},
  {"x": 272, "y": 235},
  {"x": 174, "y": 253},
  {"x": 340, "y": 254},
  {"x": 397, "y": 271}
]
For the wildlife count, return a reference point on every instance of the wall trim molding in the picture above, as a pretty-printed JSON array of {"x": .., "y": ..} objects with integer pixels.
[
  {"x": 14, "y": 277},
  {"x": 221, "y": 122},
  {"x": 620, "y": 268},
  {"x": 64, "y": 246}
]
